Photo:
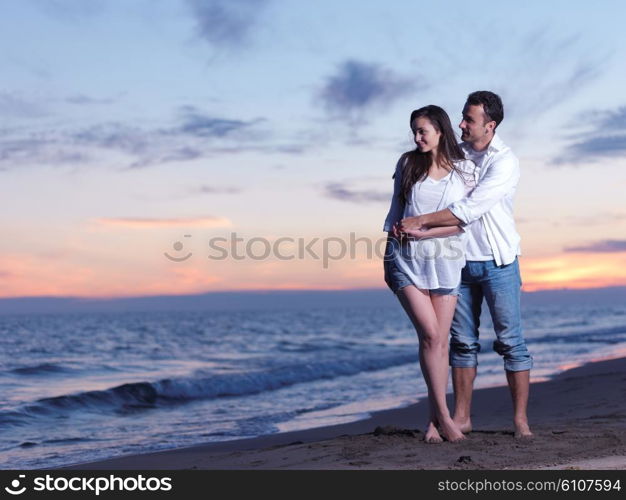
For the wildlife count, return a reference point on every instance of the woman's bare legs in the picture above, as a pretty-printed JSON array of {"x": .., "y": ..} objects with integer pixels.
[
  {"x": 444, "y": 306},
  {"x": 432, "y": 434},
  {"x": 431, "y": 316}
]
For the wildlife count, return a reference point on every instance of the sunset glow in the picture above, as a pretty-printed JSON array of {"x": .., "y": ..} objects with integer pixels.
[
  {"x": 134, "y": 138},
  {"x": 32, "y": 276}
]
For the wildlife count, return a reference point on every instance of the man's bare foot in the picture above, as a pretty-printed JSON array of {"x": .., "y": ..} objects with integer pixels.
[
  {"x": 522, "y": 430},
  {"x": 450, "y": 430},
  {"x": 432, "y": 434},
  {"x": 464, "y": 424}
]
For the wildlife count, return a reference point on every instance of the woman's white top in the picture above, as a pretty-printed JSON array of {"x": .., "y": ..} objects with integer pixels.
[{"x": 434, "y": 262}]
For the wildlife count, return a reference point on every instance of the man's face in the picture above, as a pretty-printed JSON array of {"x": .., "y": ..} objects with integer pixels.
[{"x": 474, "y": 125}]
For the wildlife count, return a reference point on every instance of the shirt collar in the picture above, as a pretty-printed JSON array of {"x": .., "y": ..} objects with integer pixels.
[{"x": 495, "y": 146}]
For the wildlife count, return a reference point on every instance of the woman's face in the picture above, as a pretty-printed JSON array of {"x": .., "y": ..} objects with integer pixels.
[{"x": 426, "y": 135}]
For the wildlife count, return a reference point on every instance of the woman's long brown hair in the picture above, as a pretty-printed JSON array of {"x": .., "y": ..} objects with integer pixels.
[{"x": 415, "y": 163}]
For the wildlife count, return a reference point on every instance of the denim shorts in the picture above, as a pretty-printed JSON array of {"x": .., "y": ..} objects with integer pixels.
[
  {"x": 397, "y": 279},
  {"x": 500, "y": 287}
]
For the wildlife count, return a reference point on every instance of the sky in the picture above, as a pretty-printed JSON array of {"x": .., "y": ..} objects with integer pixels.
[{"x": 183, "y": 146}]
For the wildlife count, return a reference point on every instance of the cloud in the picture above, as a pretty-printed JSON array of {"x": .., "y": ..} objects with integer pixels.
[
  {"x": 200, "y": 125},
  {"x": 226, "y": 23},
  {"x": 81, "y": 99},
  {"x": 563, "y": 87},
  {"x": 191, "y": 135},
  {"x": 591, "y": 149},
  {"x": 339, "y": 191},
  {"x": 604, "y": 246},
  {"x": 547, "y": 71},
  {"x": 614, "y": 120},
  {"x": 40, "y": 148},
  {"x": 536, "y": 71},
  {"x": 604, "y": 137},
  {"x": 160, "y": 154},
  {"x": 182, "y": 154},
  {"x": 184, "y": 141},
  {"x": 13, "y": 105},
  {"x": 594, "y": 219},
  {"x": 149, "y": 223},
  {"x": 114, "y": 135},
  {"x": 357, "y": 87},
  {"x": 211, "y": 127},
  {"x": 551, "y": 86},
  {"x": 216, "y": 190}
]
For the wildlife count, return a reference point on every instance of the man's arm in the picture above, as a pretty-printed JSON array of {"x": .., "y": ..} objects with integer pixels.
[
  {"x": 435, "y": 219},
  {"x": 497, "y": 182}
]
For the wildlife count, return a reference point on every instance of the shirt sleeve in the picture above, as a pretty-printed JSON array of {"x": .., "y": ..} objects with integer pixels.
[
  {"x": 397, "y": 206},
  {"x": 500, "y": 178}
]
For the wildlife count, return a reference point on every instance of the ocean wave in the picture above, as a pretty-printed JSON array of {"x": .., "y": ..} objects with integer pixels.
[
  {"x": 135, "y": 396},
  {"x": 46, "y": 369},
  {"x": 39, "y": 369},
  {"x": 607, "y": 335}
]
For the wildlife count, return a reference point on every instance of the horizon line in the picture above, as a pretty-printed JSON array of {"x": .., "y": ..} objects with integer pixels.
[{"x": 271, "y": 290}]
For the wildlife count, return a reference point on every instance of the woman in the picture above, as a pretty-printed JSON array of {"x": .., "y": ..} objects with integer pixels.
[{"x": 423, "y": 268}]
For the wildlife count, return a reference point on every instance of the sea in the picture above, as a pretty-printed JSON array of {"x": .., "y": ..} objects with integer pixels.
[{"x": 79, "y": 387}]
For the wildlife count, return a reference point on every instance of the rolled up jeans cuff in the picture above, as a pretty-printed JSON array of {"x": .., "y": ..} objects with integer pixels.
[
  {"x": 518, "y": 366},
  {"x": 463, "y": 362}
]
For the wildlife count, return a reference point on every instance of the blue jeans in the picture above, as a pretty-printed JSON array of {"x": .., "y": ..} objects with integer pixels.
[{"x": 500, "y": 286}]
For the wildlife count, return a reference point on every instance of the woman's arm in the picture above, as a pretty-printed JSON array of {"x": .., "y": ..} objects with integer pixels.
[
  {"x": 397, "y": 207},
  {"x": 434, "y": 232}
]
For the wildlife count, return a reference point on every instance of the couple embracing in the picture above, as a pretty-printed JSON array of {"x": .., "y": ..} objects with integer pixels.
[{"x": 451, "y": 243}]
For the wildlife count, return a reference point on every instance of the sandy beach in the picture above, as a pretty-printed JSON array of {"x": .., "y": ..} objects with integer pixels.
[{"x": 579, "y": 421}]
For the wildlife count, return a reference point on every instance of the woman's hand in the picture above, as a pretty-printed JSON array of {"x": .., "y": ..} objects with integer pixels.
[
  {"x": 395, "y": 231},
  {"x": 414, "y": 234},
  {"x": 418, "y": 234},
  {"x": 434, "y": 232}
]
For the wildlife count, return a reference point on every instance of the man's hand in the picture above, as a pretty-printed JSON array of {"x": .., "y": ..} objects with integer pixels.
[{"x": 412, "y": 224}]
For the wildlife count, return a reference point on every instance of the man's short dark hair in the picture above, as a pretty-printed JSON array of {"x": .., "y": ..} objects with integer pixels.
[{"x": 492, "y": 104}]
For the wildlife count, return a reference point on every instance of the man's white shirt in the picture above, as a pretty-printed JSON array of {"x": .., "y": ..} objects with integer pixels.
[{"x": 490, "y": 205}]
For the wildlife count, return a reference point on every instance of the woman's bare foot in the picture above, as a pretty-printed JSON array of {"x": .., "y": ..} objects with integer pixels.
[
  {"x": 432, "y": 434},
  {"x": 522, "y": 430},
  {"x": 450, "y": 430}
]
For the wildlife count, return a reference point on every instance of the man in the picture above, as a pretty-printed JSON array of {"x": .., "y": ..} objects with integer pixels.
[{"x": 492, "y": 269}]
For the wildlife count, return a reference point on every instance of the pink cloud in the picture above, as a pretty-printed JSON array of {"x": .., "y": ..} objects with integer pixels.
[{"x": 150, "y": 222}]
